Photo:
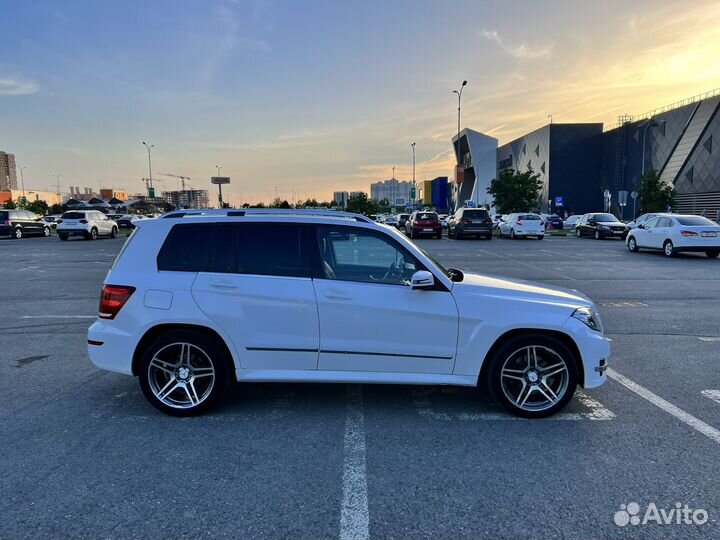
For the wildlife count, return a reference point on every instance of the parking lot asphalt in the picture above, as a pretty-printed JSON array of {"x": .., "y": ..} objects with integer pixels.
[{"x": 84, "y": 455}]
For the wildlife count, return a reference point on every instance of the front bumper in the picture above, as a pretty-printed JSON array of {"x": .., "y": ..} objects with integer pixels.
[{"x": 594, "y": 352}]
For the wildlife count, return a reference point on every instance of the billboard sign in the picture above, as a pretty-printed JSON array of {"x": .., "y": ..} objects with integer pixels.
[{"x": 220, "y": 180}]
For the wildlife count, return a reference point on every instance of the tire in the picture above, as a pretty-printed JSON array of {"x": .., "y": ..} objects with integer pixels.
[
  {"x": 488, "y": 237},
  {"x": 669, "y": 249},
  {"x": 18, "y": 234},
  {"x": 712, "y": 253},
  {"x": 93, "y": 234},
  {"x": 62, "y": 236},
  {"x": 512, "y": 234},
  {"x": 412, "y": 234},
  {"x": 450, "y": 233},
  {"x": 598, "y": 236},
  {"x": 181, "y": 386},
  {"x": 540, "y": 236},
  {"x": 519, "y": 380},
  {"x": 632, "y": 245},
  {"x": 439, "y": 235},
  {"x": 46, "y": 232},
  {"x": 578, "y": 233},
  {"x": 113, "y": 232}
]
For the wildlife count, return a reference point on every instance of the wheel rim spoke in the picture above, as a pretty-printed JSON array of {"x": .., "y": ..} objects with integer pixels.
[
  {"x": 534, "y": 378},
  {"x": 181, "y": 375},
  {"x": 547, "y": 390},
  {"x": 163, "y": 366}
]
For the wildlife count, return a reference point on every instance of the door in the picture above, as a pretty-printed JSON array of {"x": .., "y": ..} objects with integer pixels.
[
  {"x": 370, "y": 318},
  {"x": 662, "y": 231},
  {"x": 31, "y": 223},
  {"x": 647, "y": 237},
  {"x": 256, "y": 286}
]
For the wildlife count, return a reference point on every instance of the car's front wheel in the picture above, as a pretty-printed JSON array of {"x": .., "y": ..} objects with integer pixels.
[
  {"x": 184, "y": 373},
  {"x": 632, "y": 244},
  {"x": 669, "y": 248},
  {"x": 712, "y": 253},
  {"x": 598, "y": 236},
  {"x": 46, "y": 231},
  {"x": 18, "y": 233},
  {"x": 533, "y": 376},
  {"x": 62, "y": 236},
  {"x": 578, "y": 233},
  {"x": 512, "y": 234},
  {"x": 113, "y": 232}
]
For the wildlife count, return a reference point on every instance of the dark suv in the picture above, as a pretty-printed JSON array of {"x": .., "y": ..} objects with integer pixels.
[
  {"x": 19, "y": 223},
  {"x": 420, "y": 223},
  {"x": 470, "y": 222}
]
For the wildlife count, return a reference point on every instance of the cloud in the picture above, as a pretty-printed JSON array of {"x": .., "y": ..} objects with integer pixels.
[
  {"x": 17, "y": 87},
  {"x": 521, "y": 51}
]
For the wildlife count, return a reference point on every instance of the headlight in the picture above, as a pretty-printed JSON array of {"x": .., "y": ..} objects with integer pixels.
[
  {"x": 586, "y": 316},
  {"x": 603, "y": 227}
]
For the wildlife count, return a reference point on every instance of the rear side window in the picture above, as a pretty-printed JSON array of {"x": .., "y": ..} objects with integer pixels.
[
  {"x": 272, "y": 249},
  {"x": 184, "y": 249},
  {"x": 4, "y": 216},
  {"x": 697, "y": 221}
]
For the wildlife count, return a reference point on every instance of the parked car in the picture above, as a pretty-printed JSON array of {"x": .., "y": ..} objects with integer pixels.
[
  {"x": 675, "y": 233},
  {"x": 423, "y": 223},
  {"x": 391, "y": 220},
  {"x": 600, "y": 225},
  {"x": 641, "y": 219},
  {"x": 444, "y": 220},
  {"x": 127, "y": 221},
  {"x": 522, "y": 225},
  {"x": 552, "y": 221},
  {"x": 51, "y": 221},
  {"x": 90, "y": 224},
  {"x": 570, "y": 222},
  {"x": 470, "y": 222},
  {"x": 192, "y": 304},
  {"x": 497, "y": 219},
  {"x": 402, "y": 219},
  {"x": 20, "y": 223}
]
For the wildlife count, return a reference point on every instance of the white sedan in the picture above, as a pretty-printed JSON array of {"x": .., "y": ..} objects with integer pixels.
[
  {"x": 674, "y": 233},
  {"x": 522, "y": 225}
]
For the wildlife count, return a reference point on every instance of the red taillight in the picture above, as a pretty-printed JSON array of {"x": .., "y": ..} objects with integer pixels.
[
  {"x": 465, "y": 221},
  {"x": 8, "y": 222},
  {"x": 688, "y": 233},
  {"x": 83, "y": 221},
  {"x": 112, "y": 299},
  {"x": 519, "y": 221}
]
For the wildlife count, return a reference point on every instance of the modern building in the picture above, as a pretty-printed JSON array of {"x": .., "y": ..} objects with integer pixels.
[
  {"x": 188, "y": 198},
  {"x": 681, "y": 142},
  {"x": 424, "y": 193},
  {"x": 31, "y": 195},
  {"x": 397, "y": 192},
  {"x": 477, "y": 154},
  {"x": 567, "y": 158},
  {"x": 440, "y": 196},
  {"x": 110, "y": 193},
  {"x": 357, "y": 194},
  {"x": 8, "y": 174},
  {"x": 340, "y": 198}
]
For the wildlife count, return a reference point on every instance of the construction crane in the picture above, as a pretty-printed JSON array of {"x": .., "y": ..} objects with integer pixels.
[
  {"x": 182, "y": 178},
  {"x": 185, "y": 197}
]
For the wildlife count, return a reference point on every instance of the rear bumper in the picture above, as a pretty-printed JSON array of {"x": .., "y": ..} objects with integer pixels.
[
  {"x": 474, "y": 229},
  {"x": 422, "y": 230},
  {"x": 117, "y": 349},
  {"x": 73, "y": 232}
]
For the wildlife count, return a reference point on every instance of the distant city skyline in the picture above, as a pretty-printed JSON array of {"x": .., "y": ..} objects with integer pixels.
[{"x": 321, "y": 97}]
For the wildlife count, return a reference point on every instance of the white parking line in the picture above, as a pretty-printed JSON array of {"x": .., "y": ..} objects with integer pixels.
[
  {"x": 596, "y": 411},
  {"x": 711, "y": 339},
  {"x": 666, "y": 406},
  {"x": 58, "y": 316},
  {"x": 354, "y": 518},
  {"x": 712, "y": 394}
]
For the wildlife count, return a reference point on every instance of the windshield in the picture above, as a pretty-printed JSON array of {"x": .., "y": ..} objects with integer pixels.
[
  {"x": 475, "y": 214},
  {"x": 73, "y": 215},
  {"x": 426, "y": 216},
  {"x": 695, "y": 221},
  {"x": 605, "y": 218}
]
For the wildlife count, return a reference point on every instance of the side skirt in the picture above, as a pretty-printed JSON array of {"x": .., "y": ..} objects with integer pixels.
[{"x": 283, "y": 375}]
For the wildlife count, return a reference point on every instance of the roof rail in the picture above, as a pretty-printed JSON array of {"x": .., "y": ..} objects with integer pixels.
[{"x": 237, "y": 212}]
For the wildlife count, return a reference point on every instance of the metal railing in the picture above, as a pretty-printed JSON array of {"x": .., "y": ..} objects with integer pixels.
[{"x": 627, "y": 119}]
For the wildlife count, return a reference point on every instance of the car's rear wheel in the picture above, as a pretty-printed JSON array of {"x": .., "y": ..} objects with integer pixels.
[
  {"x": 62, "y": 236},
  {"x": 598, "y": 236},
  {"x": 113, "y": 232},
  {"x": 18, "y": 233},
  {"x": 439, "y": 235},
  {"x": 184, "y": 373},
  {"x": 632, "y": 244},
  {"x": 46, "y": 231},
  {"x": 93, "y": 234},
  {"x": 540, "y": 236},
  {"x": 669, "y": 248},
  {"x": 533, "y": 376},
  {"x": 578, "y": 233},
  {"x": 712, "y": 253}
]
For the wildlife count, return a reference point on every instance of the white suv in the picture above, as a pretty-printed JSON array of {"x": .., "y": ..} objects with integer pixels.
[
  {"x": 86, "y": 223},
  {"x": 195, "y": 302}
]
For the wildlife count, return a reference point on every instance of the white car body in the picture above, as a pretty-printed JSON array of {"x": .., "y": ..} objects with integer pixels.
[
  {"x": 86, "y": 223},
  {"x": 675, "y": 233},
  {"x": 571, "y": 221},
  {"x": 391, "y": 220},
  {"x": 522, "y": 224},
  {"x": 317, "y": 329}
]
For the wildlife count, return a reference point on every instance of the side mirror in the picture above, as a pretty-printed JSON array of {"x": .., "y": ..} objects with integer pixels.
[
  {"x": 422, "y": 279},
  {"x": 641, "y": 226}
]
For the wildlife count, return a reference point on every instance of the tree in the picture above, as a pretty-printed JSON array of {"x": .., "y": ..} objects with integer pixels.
[
  {"x": 9, "y": 205},
  {"x": 360, "y": 204},
  {"x": 56, "y": 209},
  {"x": 279, "y": 203},
  {"x": 654, "y": 195},
  {"x": 515, "y": 191},
  {"x": 38, "y": 207}
]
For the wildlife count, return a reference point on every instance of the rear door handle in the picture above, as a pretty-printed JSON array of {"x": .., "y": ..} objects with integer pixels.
[
  {"x": 219, "y": 284},
  {"x": 337, "y": 295}
]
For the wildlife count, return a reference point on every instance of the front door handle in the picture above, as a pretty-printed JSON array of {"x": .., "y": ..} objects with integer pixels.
[{"x": 218, "y": 284}]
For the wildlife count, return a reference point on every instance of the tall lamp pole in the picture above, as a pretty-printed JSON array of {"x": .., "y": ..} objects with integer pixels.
[
  {"x": 22, "y": 178},
  {"x": 220, "y": 199},
  {"x": 459, "y": 95},
  {"x": 149, "y": 146},
  {"x": 413, "y": 184}
]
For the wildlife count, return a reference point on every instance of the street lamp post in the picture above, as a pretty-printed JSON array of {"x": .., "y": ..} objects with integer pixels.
[
  {"x": 22, "y": 179},
  {"x": 412, "y": 202},
  {"x": 149, "y": 146},
  {"x": 459, "y": 95}
]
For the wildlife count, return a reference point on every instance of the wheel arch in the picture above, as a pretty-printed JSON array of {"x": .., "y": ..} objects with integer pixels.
[
  {"x": 564, "y": 338},
  {"x": 152, "y": 333}
]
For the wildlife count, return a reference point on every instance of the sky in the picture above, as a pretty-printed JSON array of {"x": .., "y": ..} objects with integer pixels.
[{"x": 303, "y": 98}]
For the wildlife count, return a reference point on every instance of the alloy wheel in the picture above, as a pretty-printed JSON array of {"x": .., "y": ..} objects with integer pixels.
[
  {"x": 534, "y": 378},
  {"x": 181, "y": 375}
]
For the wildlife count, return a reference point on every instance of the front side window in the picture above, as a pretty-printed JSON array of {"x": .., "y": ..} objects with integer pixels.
[
  {"x": 651, "y": 223},
  {"x": 349, "y": 254},
  {"x": 664, "y": 222}
]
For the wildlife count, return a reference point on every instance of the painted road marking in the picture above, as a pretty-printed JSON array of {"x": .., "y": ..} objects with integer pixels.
[
  {"x": 666, "y": 406},
  {"x": 58, "y": 316},
  {"x": 712, "y": 339},
  {"x": 712, "y": 394},
  {"x": 354, "y": 518},
  {"x": 596, "y": 411},
  {"x": 624, "y": 304}
]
